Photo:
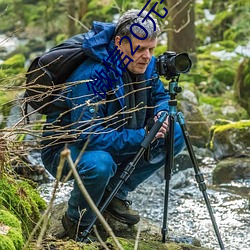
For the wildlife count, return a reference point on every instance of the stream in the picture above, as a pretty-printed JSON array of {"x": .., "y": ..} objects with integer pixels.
[{"x": 187, "y": 212}]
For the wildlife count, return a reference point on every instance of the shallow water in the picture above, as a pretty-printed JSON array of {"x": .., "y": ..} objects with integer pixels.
[{"x": 188, "y": 215}]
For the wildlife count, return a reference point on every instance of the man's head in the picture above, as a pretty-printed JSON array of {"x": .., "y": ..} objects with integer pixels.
[{"x": 143, "y": 55}]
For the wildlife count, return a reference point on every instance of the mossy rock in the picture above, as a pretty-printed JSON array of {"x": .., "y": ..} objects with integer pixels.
[
  {"x": 221, "y": 107},
  {"x": 232, "y": 139},
  {"x": 128, "y": 244},
  {"x": 231, "y": 169},
  {"x": 22, "y": 200},
  {"x": 10, "y": 231}
]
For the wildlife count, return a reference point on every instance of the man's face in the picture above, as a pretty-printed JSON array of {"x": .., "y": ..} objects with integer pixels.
[{"x": 142, "y": 56}]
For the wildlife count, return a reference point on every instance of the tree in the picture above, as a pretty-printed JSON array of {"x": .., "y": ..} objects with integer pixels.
[{"x": 181, "y": 27}]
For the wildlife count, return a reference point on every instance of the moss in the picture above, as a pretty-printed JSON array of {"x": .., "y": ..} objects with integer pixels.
[
  {"x": 236, "y": 125},
  {"x": 6, "y": 243},
  {"x": 16, "y": 237},
  {"x": 13, "y": 239},
  {"x": 17, "y": 61},
  {"x": 221, "y": 133},
  {"x": 22, "y": 200},
  {"x": 128, "y": 244},
  {"x": 9, "y": 219},
  {"x": 212, "y": 100},
  {"x": 225, "y": 75}
]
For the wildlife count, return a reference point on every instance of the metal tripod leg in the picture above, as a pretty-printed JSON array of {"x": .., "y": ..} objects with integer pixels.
[
  {"x": 168, "y": 170},
  {"x": 199, "y": 176},
  {"x": 129, "y": 169}
]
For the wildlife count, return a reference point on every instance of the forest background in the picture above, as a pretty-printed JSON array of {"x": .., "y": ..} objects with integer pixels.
[{"x": 214, "y": 33}]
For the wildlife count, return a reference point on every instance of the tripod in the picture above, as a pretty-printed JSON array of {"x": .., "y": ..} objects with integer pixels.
[
  {"x": 173, "y": 90},
  {"x": 169, "y": 163}
]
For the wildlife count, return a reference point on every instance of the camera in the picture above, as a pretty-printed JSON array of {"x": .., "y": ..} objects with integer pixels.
[{"x": 171, "y": 65}]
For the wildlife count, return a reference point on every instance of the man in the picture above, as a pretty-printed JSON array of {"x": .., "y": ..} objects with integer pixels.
[{"x": 113, "y": 127}]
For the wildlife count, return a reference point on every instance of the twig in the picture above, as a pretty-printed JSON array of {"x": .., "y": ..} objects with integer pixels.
[
  {"x": 77, "y": 21},
  {"x": 45, "y": 217},
  {"x": 66, "y": 154},
  {"x": 137, "y": 236},
  {"x": 99, "y": 238}
]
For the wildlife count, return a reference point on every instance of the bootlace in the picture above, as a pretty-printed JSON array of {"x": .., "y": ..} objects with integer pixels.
[{"x": 127, "y": 203}]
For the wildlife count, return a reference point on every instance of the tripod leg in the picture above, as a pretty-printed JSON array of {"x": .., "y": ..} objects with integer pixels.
[
  {"x": 199, "y": 176},
  {"x": 129, "y": 168},
  {"x": 168, "y": 173}
]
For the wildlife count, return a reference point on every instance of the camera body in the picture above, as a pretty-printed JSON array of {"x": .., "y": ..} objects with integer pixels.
[{"x": 171, "y": 65}]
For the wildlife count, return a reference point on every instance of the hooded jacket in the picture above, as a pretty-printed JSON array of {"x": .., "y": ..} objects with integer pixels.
[{"x": 81, "y": 116}]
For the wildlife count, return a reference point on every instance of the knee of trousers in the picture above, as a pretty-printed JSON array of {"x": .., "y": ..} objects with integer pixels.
[
  {"x": 97, "y": 165},
  {"x": 179, "y": 142}
]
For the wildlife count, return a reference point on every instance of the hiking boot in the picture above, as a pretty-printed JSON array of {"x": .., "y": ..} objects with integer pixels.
[
  {"x": 121, "y": 211},
  {"x": 75, "y": 231}
]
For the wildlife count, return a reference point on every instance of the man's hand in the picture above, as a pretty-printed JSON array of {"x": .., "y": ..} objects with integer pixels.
[{"x": 164, "y": 128}]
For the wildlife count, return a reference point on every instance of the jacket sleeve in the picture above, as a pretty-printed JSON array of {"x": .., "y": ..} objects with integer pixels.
[{"x": 88, "y": 122}]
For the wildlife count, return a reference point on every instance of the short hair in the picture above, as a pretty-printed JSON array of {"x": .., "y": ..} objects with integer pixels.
[{"x": 130, "y": 17}]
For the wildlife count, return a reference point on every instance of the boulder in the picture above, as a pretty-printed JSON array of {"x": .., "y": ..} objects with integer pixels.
[
  {"x": 150, "y": 235},
  {"x": 231, "y": 169},
  {"x": 197, "y": 125},
  {"x": 232, "y": 139}
]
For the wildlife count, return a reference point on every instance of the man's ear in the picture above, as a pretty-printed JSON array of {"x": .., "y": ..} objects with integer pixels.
[{"x": 117, "y": 41}]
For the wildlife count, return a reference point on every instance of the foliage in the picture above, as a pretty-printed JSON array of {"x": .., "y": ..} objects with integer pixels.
[
  {"x": 22, "y": 200},
  {"x": 229, "y": 23}
]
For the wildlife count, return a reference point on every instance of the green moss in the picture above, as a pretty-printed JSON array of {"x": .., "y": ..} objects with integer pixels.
[
  {"x": 16, "y": 61},
  {"x": 212, "y": 100},
  {"x": 16, "y": 237},
  {"x": 236, "y": 125},
  {"x": 14, "y": 234},
  {"x": 225, "y": 75},
  {"x": 9, "y": 219},
  {"x": 22, "y": 200},
  {"x": 220, "y": 132},
  {"x": 6, "y": 243},
  {"x": 128, "y": 244}
]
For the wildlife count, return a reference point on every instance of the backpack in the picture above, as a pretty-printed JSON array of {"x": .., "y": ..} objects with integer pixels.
[{"x": 48, "y": 73}]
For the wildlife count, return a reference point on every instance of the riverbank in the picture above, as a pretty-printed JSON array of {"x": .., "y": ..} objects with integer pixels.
[{"x": 188, "y": 215}]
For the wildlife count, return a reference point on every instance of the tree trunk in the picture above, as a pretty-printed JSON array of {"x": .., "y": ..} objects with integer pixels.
[
  {"x": 181, "y": 34},
  {"x": 72, "y": 13}
]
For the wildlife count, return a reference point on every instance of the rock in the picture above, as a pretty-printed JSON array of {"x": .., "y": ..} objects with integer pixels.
[
  {"x": 149, "y": 238},
  {"x": 181, "y": 179},
  {"x": 232, "y": 139},
  {"x": 197, "y": 125},
  {"x": 188, "y": 95},
  {"x": 231, "y": 169}
]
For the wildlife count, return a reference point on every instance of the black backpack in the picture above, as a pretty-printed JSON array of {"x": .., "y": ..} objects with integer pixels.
[{"x": 48, "y": 73}]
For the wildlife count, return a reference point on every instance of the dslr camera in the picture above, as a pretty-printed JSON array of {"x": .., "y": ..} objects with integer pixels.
[{"x": 171, "y": 65}]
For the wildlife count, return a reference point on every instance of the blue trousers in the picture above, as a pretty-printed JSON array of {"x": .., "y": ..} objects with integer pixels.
[{"x": 100, "y": 170}]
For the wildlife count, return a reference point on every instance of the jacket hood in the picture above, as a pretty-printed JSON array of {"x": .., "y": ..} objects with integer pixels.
[{"x": 99, "y": 40}]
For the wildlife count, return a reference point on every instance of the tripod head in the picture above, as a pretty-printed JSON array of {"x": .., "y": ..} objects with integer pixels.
[{"x": 174, "y": 89}]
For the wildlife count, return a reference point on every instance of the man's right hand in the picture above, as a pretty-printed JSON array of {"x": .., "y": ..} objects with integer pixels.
[{"x": 164, "y": 128}]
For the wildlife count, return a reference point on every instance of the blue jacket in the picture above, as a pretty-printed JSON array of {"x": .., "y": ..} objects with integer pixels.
[{"x": 107, "y": 131}]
